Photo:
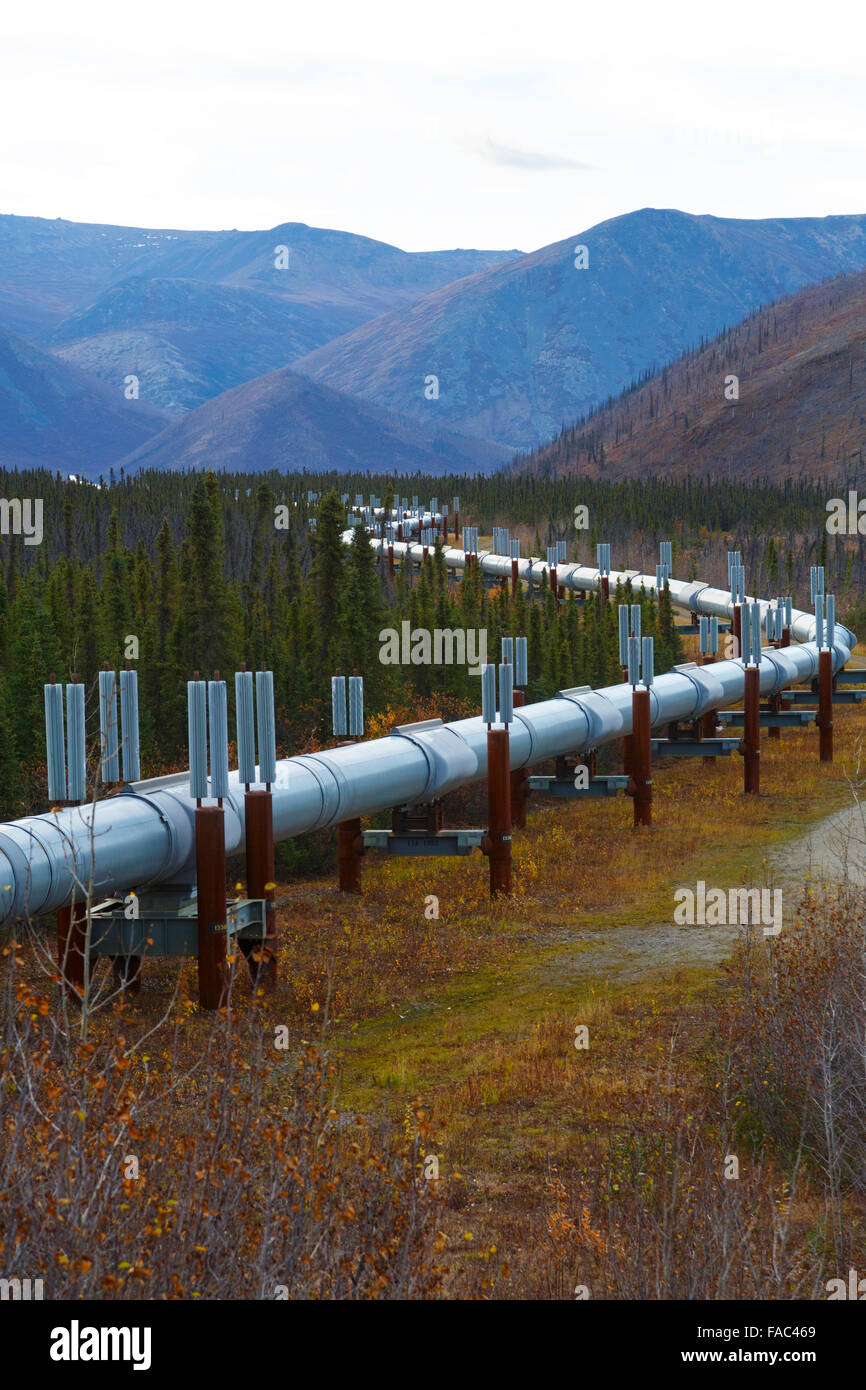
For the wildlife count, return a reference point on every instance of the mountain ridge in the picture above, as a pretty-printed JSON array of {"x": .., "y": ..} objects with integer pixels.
[
  {"x": 524, "y": 347},
  {"x": 53, "y": 415},
  {"x": 284, "y": 420},
  {"x": 781, "y": 394}
]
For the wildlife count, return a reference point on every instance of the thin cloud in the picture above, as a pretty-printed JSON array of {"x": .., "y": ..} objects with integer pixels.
[{"x": 514, "y": 158}]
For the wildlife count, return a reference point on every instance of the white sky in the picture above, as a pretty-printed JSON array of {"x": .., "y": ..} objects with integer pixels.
[{"x": 448, "y": 123}]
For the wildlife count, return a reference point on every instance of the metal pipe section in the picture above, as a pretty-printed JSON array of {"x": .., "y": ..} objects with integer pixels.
[
  {"x": 695, "y": 597},
  {"x": 416, "y": 521},
  {"x": 144, "y": 835}
]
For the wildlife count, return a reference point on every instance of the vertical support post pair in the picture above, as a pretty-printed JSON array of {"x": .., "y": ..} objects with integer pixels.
[
  {"x": 64, "y": 745},
  {"x": 497, "y": 842},
  {"x": 603, "y": 558},
  {"x": 210, "y": 872},
  {"x": 737, "y": 583},
  {"x": 628, "y": 739},
  {"x": 519, "y": 779},
  {"x": 750, "y": 744},
  {"x": 350, "y": 842},
  {"x": 786, "y": 640},
  {"x": 498, "y": 838},
  {"x": 641, "y": 784},
  {"x": 641, "y": 667},
  {"x": 709, "y": 644},
  {"x": 552, "y": 556},
  {"x": 775, "y": 619},
  {"x": 210, "y": 841},
  {"x": 514, "y": 651},
  {"x": 825, "y": 636},
  {"x": 208, "y": 724},
  {"x": 261, "y": 955},
  {"x": 709, "y": 719},
  {"x": 72, "y": 918},
  {"x": 350, "y": 848},
  {"x": 71, "y": 941},
  {"x": 515, "y": 567},
  {"x": 629, "y": 627},
  {"x": 825, "y": 705}
]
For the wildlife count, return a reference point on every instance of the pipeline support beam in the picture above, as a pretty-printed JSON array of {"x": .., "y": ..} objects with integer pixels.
[
  {"x": 210, "y": 858},
  {"x": 497, "y": 842}
]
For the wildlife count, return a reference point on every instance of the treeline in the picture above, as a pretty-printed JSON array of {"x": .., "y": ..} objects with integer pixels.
[
  {"x": 77, "y": 516},
  {"x": 780, "y": 529},
  {"x": 209, "y": 592}
]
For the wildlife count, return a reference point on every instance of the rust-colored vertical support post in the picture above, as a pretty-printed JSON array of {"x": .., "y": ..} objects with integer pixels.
[
  {"x": 210, "y": 872},
  {"x": 71, "y": 941},
  {"x": 605, "y": 589},
  {"x": 514, "y": 582},
  {"x": 456, "y": 528},
  {"x": 750, "y": 746},
  {"x": 259, "y": 843},
  {"x": 774, "y": 704},
  {"x": 399, "y": 530},
  {"x": 391, "y": 561},
  {"x": 737, "y": 629},
  {"x": 641, "y": 786},
  {"x": 498, "y": 838},
  {"x": 553, "y": 584},
  {"x": 519, "y": 780},
  {"x": 350, "y": 847},
  {"x": 825, "y": 705}
]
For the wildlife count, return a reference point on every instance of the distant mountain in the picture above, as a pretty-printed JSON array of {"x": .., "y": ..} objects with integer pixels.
[
  {"x": 323, "y": 267},
  {"x": 187, "y": 341},
  {"x": 283, "y": 420},
  {"x": 797, "y": 407},
  {"x": 50, "y": 269},
  {"x": 54, "y": 416},
  {"x": 525, "y": 347}
]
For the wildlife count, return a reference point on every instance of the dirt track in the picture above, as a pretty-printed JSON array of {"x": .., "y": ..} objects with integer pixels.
[{"x": 833, "y": 851}]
